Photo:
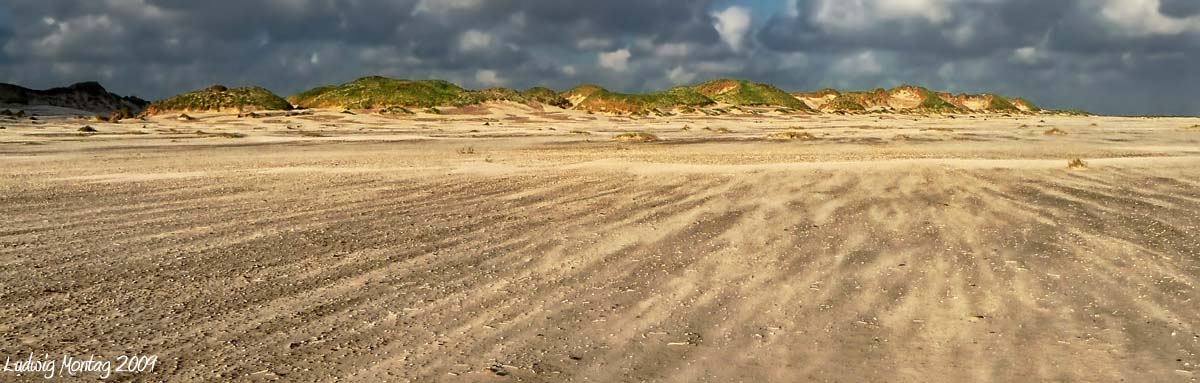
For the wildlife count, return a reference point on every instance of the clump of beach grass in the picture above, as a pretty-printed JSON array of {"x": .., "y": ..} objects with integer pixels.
[
  {"x": 787, "y": 136},
  {"x": 636, "y": 137},
  {"x": 1076, "y": 164}
]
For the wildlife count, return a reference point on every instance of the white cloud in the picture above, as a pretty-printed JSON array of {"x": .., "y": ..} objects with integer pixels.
[
  {"x": 862, "y": 64},
  {"x": 489, "y": 77},
  {"x": 593, "y": 44},
  {"x": 962, "y": 35},
  {"x": 617, "y": 60},
  {"x": 859, "y": 14},
  {"x": 794, "y": 61},
  {"x": 569, "y": 70},
  {"x": 673, "y": 50},
  {"x": 793, "y": 9},
  {"x": 89, "y": 33},
  {"x": 1143, "y": 18},
  {"x": 678, "y": 76},
  {"x": 441, "y": 7},
  {"x": 732, "y": 24},
  {"x": 474, "y": 40},
  {"x": 315, "y": 58},
  {"x": 722, "y": 67},
  {"x": 1027, "y": 55}
]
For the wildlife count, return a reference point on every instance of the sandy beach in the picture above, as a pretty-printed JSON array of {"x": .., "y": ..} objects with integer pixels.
[{"x": 508, "y": 243}]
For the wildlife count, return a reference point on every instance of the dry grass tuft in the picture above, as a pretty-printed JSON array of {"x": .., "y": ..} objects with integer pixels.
[
  {"x": 636, "y": 137},
  {"x": 581, "y": 132},
  {"x": 902, "y": 137},
  {"x": 1076, "y": 164},
  {"x": 785, "y": 136},
  {"x": 87, "y": 129},
  {"x": 1055, "y": 132},
  {"x": 312, "y": 134},
  {"x": 185, "y": 117},
  {"x": 202, "y": 133},
  {"x": 466, "y": 151}
]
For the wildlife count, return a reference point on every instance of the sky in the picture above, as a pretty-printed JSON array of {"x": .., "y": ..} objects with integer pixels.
[{"x": 1105, "y": 56}]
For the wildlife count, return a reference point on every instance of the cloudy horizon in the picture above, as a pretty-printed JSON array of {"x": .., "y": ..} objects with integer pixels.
[{"x": 1105, "y": 56}]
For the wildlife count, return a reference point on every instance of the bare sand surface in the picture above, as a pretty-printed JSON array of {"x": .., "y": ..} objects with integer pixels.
[{"x": 535, "y": 248}]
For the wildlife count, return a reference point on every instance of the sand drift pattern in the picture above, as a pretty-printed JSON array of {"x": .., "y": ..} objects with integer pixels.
[{"x": 931, "y": 273}]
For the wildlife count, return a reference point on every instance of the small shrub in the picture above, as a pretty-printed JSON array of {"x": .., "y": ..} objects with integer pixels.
[
  {"x": 120, "y": 114},
  {"x": 1076, "y": 164},
  {"x": 469, "y": 150},
  {"x": 185, "y": 117},
  {"x": 396, "y": 110},
  {"x": 636, "y": 137},
  {"x": 311, "y": 134},
  {"x": 581, "y": 132},
  {"x": 791, "y": 136},
  {"x": 229, "y": 135},
  {"x": 1055, "y": 132},
  {"x": 9, "y": 113},
  {"x": 902, "y": 137},
  {"x": 87, "y": 129}
]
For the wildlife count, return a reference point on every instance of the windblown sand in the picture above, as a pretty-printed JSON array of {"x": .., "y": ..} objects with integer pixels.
[{"x": 538, "y": 249}]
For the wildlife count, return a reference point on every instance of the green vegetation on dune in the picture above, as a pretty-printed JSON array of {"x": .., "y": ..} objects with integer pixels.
[
  {"x": 499, "y": 94},
  {"x": 937, "y": 104},
  {"x": 12, "y": 94},
  {"x": 581, "y": 92},
  {"x": 827, "y": 92},
  {"x": 382, "y": 92},
  {"x": 217, "y": 97},
  {"x": 932, "y": 102},
  {"x": 1025, "y": 104},
  {"x": 682, "y": 95},
  {"x": 1001, "y": 104},
  {"x": 678, "y": 97},
  {"x": 746, "y": 93},
  {"x": 376, "y": 92},
  {"x": 844, "y": 103},
  {"x": 546, "y": 96}
]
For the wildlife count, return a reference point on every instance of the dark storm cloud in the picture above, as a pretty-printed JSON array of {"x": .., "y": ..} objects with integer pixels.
[
  {"x": 1180, "y": 8},
  {"x": 1115, "y": 56}
]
